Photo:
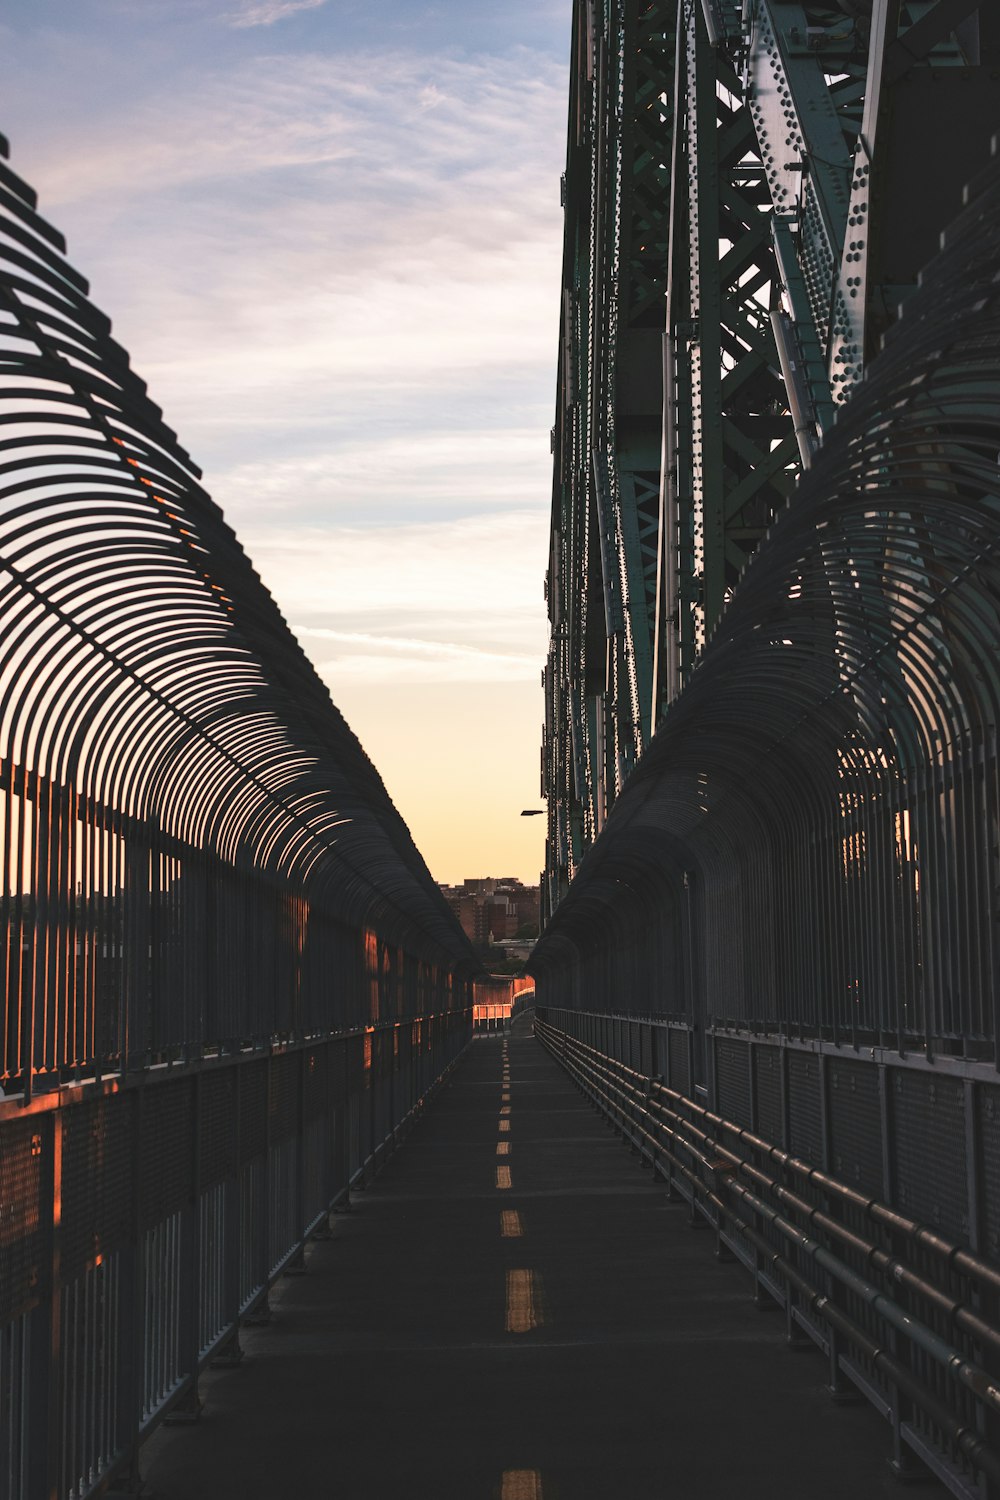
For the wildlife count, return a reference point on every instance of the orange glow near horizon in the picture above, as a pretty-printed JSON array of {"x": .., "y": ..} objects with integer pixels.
[{"x": 437, "y": 780}]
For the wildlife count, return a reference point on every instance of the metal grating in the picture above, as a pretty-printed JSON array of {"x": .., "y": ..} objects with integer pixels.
[
  {"x": 988, "y": 1111},
  {"x": 253, "y": 1111},
  {"x": 217, "y": 1128},
  {"x": 97, "y": 1181},
  {"x": 647, "y": 1050},
  {"x": 856, "y": 1125},
  {"x": 283, "y": 1097},
  {"x": 732, "y": 1076},
  {"x": 680, "y": 1073},
  {"x": 317, "y": 1084},
  {"x": 767, "y": 1075},
  {"x": 805, "y": 1130},
  {"x": 167, "y": 1150},
  {"x": 928, "y": 1123},
  {"x": 22, "y": 1237}
]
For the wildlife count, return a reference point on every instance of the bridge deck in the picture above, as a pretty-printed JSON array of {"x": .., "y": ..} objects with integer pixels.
[{"x": 404, "y": 1362}]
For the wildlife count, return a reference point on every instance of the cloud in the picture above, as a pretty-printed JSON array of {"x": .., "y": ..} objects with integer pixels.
[
  {"x": 270, "y": 11},
  {"x": 338, "y": 271},
  {"x": 291, "y": 242},
  {"x": 452, "y": 602},
  {"x": 389, "y": 658},
  {"x": 374, "y": 479},
  {"x": 339, "y": 305},
  {"x": 493, "y": 121}
]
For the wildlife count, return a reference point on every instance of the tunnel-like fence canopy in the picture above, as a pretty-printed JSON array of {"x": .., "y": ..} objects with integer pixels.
[
  {"x": 811, "y": 841},
  {"x": 195, "y": 847}
]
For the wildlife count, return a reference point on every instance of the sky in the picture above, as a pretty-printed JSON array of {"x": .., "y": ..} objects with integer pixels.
[{"x": 329, "y": 235}]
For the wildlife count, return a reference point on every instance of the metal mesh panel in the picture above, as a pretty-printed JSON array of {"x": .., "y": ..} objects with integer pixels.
[
  {"x": 97, "y": 1182},
  {"x": 856, "y": 1125},
  {"x": 767, "y": 1074},
  {"x": 732, "y": 1076},
  {"x": 167, "y": 1150},
  {"x": 253, "y": 1111},
  {"x": 21, "y": 1229},
  {"x": 988, "y": 1111},
  {"x": 217, "y": 1130},
  {"x": 804, "y": 1119},
  {"x": 283, "y": 1098},
  {"x": 680, "y": 1073},
  {"x": 929, "y": 1150},
  {"x": 646, "y": 1050},
  {"x": 317, "y": 1084}
]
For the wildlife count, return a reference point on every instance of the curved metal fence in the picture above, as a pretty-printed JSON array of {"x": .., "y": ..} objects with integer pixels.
[
  {"x": 230, "y": 981},
  {"x": 811, "y": 843},
  {"x": 193, "y": 839}
]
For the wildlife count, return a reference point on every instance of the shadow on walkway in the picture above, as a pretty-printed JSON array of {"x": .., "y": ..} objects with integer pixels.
[{"x": 514, "y": 1312}]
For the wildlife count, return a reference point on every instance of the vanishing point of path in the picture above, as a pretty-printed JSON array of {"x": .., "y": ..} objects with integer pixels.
[{"x": 514, "y": 1312}]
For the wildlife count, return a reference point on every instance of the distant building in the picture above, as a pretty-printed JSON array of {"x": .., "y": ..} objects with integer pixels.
[{"x": 493, "y": 910}]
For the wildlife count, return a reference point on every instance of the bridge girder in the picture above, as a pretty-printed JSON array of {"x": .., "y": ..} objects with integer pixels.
[{"x": 751, "y": 191}]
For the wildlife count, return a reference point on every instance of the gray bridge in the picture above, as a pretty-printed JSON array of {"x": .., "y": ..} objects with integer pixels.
[{"x": 770, "y": 959}]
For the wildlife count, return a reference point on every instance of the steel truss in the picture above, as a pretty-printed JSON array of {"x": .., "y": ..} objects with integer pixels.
[
  {"x": 811, "y": 840},
  {"x": 751, "y": 192}
]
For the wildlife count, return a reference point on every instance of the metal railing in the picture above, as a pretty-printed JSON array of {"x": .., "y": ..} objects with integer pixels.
[
  {"x": 904, "y": 1315},
  {"x": 146, "y": 1220},
  {"x": 497, "y": 1002},
  {"x": 228, "y": 978}
]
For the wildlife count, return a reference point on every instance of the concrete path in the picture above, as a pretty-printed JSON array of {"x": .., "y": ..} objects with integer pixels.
[{"x": 514, "y": 1312}]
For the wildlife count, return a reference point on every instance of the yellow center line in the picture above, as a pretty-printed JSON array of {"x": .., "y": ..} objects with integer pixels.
[
  {"x": 521, "y": 1484},
  {"x": 505, "y": 1110},
  {"x": 511, "y": 1227},
  {"x": 504, "y": 1126},
  {"x": 505, "y": 1098},
  {"x": 503, "y": 1177},
  {"x": 503, "y": 1148},
  {"x": 524, "y": 1301}
]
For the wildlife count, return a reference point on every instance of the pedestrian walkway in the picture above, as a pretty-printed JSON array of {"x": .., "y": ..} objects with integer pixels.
[{"x": 513, "y": 1311}]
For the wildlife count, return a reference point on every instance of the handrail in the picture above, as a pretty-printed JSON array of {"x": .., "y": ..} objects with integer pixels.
[{"x": 891, "y": 1306}]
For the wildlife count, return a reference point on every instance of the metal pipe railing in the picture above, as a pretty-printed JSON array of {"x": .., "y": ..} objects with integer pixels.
[{"x": 894, "y": 1304}]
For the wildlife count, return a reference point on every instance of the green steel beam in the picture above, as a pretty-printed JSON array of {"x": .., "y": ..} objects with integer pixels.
[{"x": 751, "y": 188}]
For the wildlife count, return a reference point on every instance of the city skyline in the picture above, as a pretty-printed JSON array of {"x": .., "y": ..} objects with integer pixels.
[{"x": 330, "y": 242}]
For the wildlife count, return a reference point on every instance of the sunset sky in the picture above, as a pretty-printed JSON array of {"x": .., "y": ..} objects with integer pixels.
[{"x": 329, "y": 235}]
